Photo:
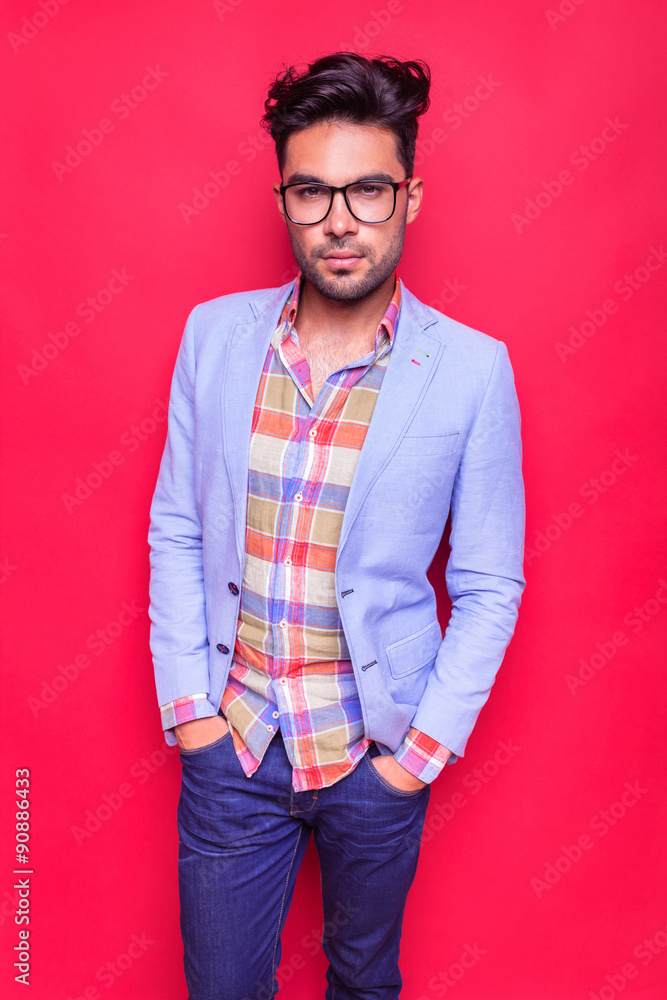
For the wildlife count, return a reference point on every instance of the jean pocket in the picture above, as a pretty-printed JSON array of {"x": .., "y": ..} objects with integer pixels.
[
  {"x": 194, "y": 751},
  {"x": 402, "y": 793}
]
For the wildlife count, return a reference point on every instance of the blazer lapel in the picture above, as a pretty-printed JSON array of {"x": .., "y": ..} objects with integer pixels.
[
  {"x": 247, "y": 345},
  {"x": 412, "y": 362}
]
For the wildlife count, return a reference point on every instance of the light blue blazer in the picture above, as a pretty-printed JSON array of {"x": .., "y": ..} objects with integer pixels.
[{"x": 444, "y": 435}]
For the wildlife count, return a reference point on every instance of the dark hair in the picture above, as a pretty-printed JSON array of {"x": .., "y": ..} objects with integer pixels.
[{"x": 347, "y": 87}]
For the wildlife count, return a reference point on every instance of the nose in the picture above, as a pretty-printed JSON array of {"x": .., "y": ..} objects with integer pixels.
[{"x": 340, "y": 220}]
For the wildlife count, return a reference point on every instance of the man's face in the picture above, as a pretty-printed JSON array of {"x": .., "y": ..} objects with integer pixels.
[{"x": 340, "y": 153}]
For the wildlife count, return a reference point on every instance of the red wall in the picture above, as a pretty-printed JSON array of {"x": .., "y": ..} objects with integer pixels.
[{"x": 542, "y": 225}]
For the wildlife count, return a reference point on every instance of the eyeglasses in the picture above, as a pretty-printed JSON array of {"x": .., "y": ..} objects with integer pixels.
[{"x": 368, "y": 201}]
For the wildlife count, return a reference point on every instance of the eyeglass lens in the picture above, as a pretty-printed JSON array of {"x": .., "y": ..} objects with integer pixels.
[{"x": 370, "y": 202}]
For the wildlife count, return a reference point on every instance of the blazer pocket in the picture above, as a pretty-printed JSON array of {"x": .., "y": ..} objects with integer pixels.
[
  {"x": 425, "y": 445},
  {"x": 414, "y": 652}
]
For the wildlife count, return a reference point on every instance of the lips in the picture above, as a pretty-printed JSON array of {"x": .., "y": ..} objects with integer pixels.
[{"x": 341, "y": 260}]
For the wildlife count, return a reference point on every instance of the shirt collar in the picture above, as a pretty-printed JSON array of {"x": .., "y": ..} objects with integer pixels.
[{"x": 386, "y": 325}]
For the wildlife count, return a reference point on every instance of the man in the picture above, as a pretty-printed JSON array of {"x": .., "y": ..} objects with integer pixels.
[{"x": 319, "y": 435}]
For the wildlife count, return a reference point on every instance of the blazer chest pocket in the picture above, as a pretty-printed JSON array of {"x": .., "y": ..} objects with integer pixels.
[
  {"x": 414, "y": 652},
  {"x": 427, "y": 445}
]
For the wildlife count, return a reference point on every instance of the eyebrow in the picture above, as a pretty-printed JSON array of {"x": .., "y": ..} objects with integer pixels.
[{"x": 299, "y": 178}]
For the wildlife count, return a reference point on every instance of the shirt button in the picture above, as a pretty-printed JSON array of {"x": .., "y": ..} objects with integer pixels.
[
  {"x": 299, "y": 496},
  {"x": 283, "y": 680},
  {"x": 283, "y": 623},
  {"x": 232, "y": 586},
  {"x": 312, "y": 433},
  {"x": 288, "y": 561},
  {"x": 270, "y": 728},
  {"x": 276, "y": 715}
]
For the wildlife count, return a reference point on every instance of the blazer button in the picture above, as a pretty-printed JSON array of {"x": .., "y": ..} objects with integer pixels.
[
  {"x": 222, "y": 648},
  {"x": 234, "y": 589}
]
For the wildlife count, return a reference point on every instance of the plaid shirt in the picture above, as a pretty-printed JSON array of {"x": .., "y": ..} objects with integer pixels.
[{"x": 291, "y": 667}]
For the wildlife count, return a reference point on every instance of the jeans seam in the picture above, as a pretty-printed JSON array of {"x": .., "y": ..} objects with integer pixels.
[{"x": 282, "y": 906}]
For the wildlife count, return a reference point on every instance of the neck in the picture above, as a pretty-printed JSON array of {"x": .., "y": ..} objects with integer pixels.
[{"x": 342, "y": 320}]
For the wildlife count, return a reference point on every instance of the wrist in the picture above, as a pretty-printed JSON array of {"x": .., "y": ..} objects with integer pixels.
[
  {"x": 399, "y": 775},
  {"x": 419, "y": 782},
  {"x": 197, "y": 732}
]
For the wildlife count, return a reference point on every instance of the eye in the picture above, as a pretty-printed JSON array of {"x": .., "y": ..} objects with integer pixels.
[
  {"x": 310, "y": 191},
  {"x": 369, "y": 190}
]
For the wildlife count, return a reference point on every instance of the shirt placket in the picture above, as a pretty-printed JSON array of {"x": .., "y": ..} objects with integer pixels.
[
  {"x": 300, "y": 458},
  {"x": 295, "y": 465}
]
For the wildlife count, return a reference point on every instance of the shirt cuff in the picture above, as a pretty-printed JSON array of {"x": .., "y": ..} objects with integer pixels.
[
  {"x": 193, "y": 706},
  {"x": 421, "y": 755}
]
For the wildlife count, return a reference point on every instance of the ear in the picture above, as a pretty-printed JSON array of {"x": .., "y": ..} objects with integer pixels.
[
  {"x": 279, "y": 199},
  {"x": 415, "y": 191}
]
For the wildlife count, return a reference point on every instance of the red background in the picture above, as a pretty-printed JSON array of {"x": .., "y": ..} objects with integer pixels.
[{"x": 491, "y": 834}]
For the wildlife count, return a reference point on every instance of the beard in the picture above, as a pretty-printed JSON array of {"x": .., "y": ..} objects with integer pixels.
[{"x": 345, "y": 286}]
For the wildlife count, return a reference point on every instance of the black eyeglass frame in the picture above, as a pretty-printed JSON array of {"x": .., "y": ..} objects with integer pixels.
[{"x": 396, "y": 185}]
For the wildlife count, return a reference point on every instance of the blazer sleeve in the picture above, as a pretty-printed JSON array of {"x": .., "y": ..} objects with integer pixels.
[
  {"x": 484, "y": 572},
  {"x": 177, "y": 607}
]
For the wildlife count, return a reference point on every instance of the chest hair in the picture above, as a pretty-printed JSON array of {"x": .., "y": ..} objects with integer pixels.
[{"x": 324, "y": 358}]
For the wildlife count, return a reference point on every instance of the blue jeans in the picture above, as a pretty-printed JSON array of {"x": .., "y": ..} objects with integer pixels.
[{"x": 241, "y": 841}]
